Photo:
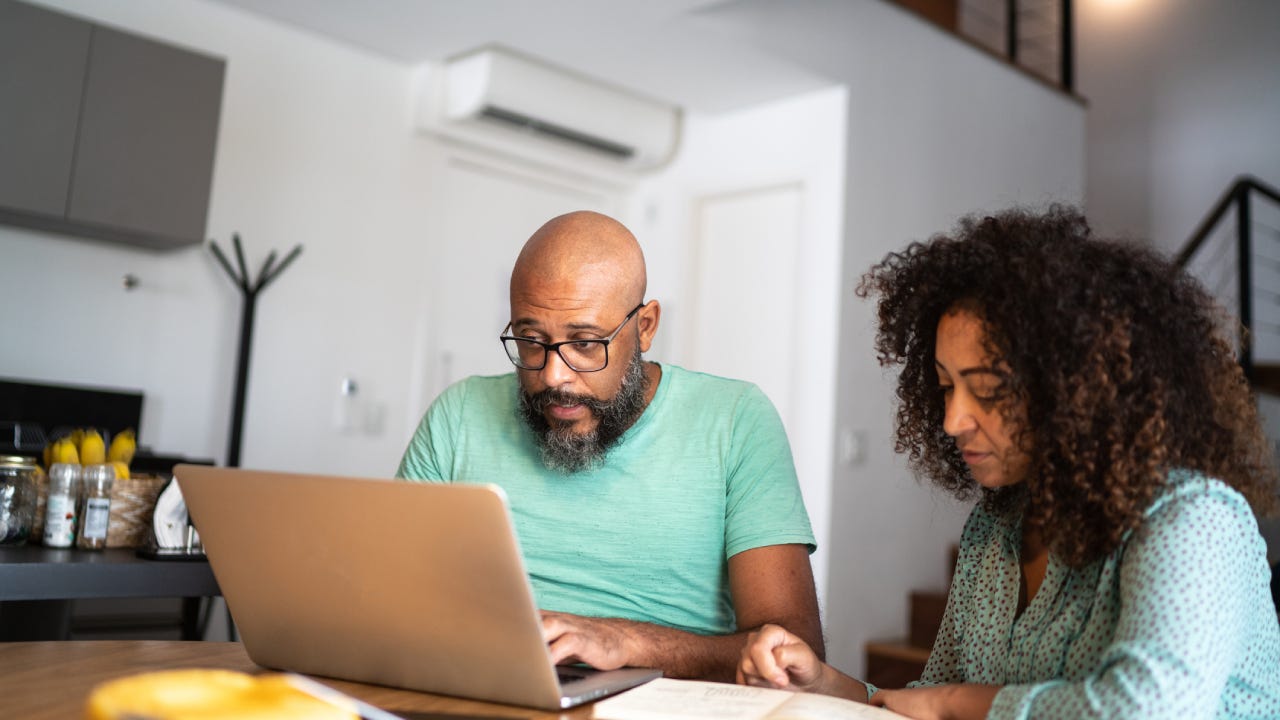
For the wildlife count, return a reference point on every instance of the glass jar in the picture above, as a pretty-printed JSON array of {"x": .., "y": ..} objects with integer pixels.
[
  {"x": 95, "y": 508},
  {"x": 19, "y": 484}
]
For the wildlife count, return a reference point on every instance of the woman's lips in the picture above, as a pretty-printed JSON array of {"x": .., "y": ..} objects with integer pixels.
[{"x": 973, "y": 457}]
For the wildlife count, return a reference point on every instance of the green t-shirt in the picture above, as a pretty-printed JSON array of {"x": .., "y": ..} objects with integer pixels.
[{"x": 704, "y": 474}]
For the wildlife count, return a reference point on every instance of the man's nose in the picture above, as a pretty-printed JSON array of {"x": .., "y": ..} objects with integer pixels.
[{"x": 556, "y": 372}]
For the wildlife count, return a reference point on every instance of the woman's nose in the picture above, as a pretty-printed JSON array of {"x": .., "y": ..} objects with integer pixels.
[{"x": 958, "y": 417}]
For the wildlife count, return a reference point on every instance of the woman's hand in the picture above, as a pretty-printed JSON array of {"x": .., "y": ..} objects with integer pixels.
[
  {"x": 775, "y": 658},
  {"x": 939, "y": 702}
]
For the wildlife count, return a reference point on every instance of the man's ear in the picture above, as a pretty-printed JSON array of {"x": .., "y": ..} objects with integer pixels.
[{"x": 647, "y": 323}]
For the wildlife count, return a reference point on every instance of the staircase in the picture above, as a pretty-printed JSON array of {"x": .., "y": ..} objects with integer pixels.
[{"x": 1239, "y": 263}]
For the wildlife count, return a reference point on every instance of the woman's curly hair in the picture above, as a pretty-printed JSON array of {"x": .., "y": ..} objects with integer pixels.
[{"x": 1119, "y": 371}]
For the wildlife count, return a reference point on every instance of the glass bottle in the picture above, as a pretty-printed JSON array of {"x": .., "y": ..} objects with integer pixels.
[
  {"x": 96, "y": 510},
  {"x": 60, "y": 507}
]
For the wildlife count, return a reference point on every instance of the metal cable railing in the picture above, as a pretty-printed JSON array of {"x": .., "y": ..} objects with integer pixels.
[{"x": 1240, "y": 264}]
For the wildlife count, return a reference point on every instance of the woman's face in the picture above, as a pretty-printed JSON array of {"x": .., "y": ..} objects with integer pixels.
[{"x": 973, "y": 386}]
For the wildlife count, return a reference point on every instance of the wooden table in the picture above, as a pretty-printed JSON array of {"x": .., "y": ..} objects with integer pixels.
[{"x": 51, "y": 680}]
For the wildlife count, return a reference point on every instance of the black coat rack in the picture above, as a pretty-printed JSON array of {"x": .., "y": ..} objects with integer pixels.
[{"x": 249, "y": 289}]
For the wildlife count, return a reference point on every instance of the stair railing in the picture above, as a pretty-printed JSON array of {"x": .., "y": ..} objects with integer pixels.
[{"x": 1238, "y": 197}]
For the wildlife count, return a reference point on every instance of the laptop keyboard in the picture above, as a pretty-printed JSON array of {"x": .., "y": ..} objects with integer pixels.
[{"x": 572, "y": 674}]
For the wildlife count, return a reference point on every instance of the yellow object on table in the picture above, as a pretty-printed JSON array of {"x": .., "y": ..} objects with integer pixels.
[{"x": 207, "y": 695}]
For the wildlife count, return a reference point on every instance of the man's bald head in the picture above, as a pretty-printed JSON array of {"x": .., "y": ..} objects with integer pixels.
[{"x": 582, "y": 246}]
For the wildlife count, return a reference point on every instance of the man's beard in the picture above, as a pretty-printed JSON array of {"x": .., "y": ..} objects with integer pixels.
[{"x": 567, "y": 451}]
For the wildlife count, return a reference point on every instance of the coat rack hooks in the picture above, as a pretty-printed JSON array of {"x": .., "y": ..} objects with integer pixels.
[{"x": 249, "y": 290}]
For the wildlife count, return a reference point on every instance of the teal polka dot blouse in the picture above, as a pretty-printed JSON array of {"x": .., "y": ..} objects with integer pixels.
[{"x": 1178, "y": 622}]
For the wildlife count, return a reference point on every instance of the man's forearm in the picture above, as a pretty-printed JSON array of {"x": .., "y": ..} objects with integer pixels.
[
  {"x": 608, "y": 643},
  {"x": 681, "y": 654}
]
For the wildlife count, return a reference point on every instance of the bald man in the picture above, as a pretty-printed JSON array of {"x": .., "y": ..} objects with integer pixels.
[{"x": 657, "y": 508}]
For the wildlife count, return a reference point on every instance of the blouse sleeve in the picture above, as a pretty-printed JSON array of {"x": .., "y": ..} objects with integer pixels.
[{"x": 1185, "y": 579}]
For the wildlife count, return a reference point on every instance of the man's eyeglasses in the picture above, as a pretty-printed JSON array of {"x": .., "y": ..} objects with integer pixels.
[{"x": 586, "y": 355}]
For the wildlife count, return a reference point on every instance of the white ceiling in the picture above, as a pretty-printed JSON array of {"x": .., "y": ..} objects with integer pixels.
[{"x": 691, "y": 52}]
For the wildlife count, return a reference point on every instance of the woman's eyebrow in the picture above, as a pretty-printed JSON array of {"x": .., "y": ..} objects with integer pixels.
[
  {"x": 977, "y": 370},
  {"x": 982, "y": 370}
]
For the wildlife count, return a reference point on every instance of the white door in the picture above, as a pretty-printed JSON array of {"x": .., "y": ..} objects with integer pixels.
[{"x": 745, "y": 301}]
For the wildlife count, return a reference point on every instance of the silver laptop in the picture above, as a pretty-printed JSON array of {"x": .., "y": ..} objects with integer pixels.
[{"x": 412, "y": 585}]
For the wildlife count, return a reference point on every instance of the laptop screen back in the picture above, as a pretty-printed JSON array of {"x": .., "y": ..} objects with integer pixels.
[{"x": 412, "y": 585}]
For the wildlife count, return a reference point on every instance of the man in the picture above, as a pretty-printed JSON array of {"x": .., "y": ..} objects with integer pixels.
[{"x": 657, "y": 508}]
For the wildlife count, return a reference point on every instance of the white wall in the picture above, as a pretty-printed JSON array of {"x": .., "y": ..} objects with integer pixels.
[
  {"x": 798, "y": 144},
  {"x": 314, "y": 147},
  {"x": 936, "y": 130},
  {"x": 1183, "y": 97}
]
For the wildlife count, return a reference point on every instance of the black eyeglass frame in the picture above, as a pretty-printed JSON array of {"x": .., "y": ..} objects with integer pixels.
[{"x": 548, "y": 347}]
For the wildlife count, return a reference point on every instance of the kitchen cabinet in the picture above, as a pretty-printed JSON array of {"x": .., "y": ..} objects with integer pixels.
[
  {"x": 104, "y": 134},
  {"x": 42, "y": 60}
]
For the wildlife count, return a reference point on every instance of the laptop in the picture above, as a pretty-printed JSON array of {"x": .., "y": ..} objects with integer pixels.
[{"x": 412, "y": 585}]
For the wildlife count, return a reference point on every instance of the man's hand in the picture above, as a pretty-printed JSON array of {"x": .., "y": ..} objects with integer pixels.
[
  {"x": 602, "y": 643},
  {"x": 609, "y": 643}
]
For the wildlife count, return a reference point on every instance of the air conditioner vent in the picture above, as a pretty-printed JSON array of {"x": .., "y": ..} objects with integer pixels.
[{"x": 519, "y": 120}]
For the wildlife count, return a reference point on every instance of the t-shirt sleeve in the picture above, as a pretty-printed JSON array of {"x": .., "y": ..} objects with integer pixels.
[
  {"x": 429, "y": 456},
  {"x": 763, "y": 505},
  {"x": 1185, "y": 613}
]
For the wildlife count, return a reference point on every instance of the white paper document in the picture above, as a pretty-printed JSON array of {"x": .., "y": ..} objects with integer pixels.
[{"x": 667, "y": 699}]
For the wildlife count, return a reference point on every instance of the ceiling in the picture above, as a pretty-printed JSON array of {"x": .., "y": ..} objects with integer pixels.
[{"x": 695, "y": 53}]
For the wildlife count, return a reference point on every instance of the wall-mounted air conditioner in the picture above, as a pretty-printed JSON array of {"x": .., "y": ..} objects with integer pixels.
[{"x": 506, "y": 101}]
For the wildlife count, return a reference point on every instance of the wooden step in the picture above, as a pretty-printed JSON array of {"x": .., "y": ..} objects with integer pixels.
[
  {"x": 925, "y": 616},
  {"x": 894, "y": 663}
]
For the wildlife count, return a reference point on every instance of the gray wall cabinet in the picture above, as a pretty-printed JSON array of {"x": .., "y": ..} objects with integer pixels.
[{"x": 104, "y": 134}]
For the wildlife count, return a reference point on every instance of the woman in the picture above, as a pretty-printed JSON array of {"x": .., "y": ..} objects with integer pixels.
[{"x": 1084, "y": 391}]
